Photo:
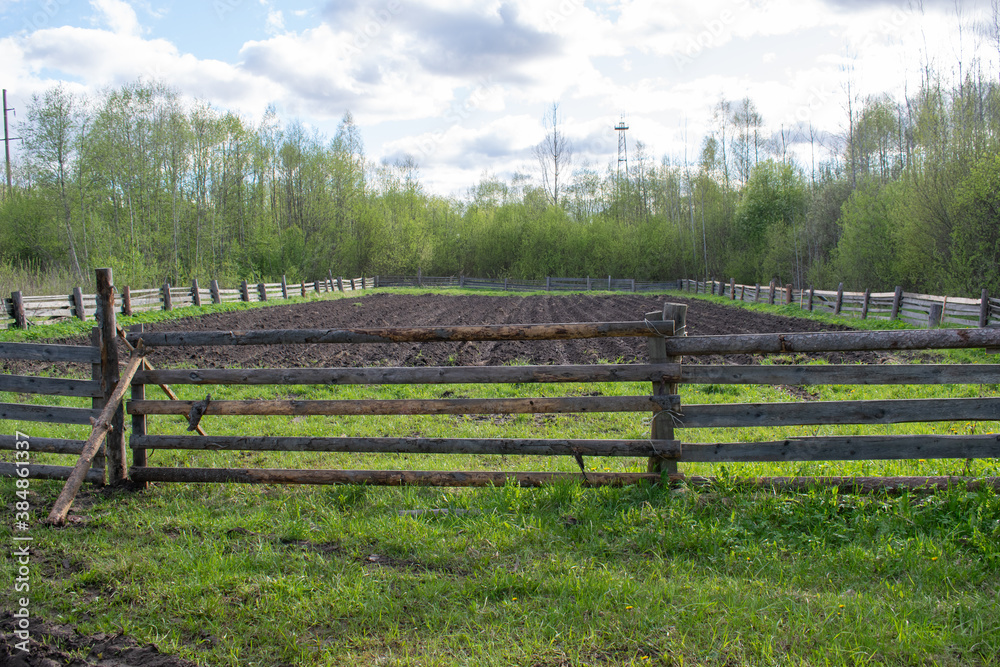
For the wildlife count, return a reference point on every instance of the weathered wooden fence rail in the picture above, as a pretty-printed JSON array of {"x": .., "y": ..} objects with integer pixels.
[
  {"x": 663, "y": 450},
  {"x": 19, "y": 311},
  {"x": 918, "y": 309}
]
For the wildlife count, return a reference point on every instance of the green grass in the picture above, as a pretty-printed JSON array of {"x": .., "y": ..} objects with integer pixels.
[{"x": 269, "y": 575}]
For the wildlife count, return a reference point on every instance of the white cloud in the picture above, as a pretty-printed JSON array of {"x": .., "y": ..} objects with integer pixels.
[{"x": 118, "y": 15}]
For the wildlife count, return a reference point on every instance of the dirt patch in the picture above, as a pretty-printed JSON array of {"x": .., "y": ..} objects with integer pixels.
[
  {"x": 394, "y": 310},
  {"x": 388, "y": 310},
  {"x": 54, "y": 645}
]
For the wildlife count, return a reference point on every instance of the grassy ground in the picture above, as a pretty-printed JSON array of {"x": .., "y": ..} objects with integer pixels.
[{"x": 244, "y": 575}]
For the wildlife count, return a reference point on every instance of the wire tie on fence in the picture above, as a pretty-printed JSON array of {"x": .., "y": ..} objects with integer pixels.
[{"x": 652, "y": 327}]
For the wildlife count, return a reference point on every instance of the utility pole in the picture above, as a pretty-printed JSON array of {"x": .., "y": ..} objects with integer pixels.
[{"x": 6, "y": 141}]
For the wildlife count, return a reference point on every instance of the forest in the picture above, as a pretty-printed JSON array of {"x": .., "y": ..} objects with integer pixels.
[{"x": 162, "y": 189}]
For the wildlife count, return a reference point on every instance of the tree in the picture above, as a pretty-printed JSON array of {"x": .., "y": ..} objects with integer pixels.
[
  {"x": 554, "y": 154},
  {"x": 50, "y": 139}
]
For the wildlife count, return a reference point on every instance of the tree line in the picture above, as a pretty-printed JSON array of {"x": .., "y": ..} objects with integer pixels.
[{"x": 162, "y": 190}]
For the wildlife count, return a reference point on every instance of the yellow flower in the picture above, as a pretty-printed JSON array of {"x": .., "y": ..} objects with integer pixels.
[{"x": 628, "y": 607}]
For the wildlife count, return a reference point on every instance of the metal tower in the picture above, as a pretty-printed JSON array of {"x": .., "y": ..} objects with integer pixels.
[{"x": 621, "y": 126}]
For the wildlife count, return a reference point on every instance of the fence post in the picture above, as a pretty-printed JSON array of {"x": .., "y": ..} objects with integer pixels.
[
  {"x": 97, "y": 402},
  {"x": 505, "y": 284},
  {"x": 165, "y": 291},
  {"x": 340, "y": 283},
  {"x": 461, "y": 280},
  {"x": 588, "y": 283},
  {"x": 139, "y": 421},
  {"x": 934, "y": 316},
  {"x": 633, "y": 284},
  {"x": 840, "y": 299},
  {"x": 811, "y": 291},
  {"x": 548, "y": 283},
  {"x": 984, "y": 308},
  {"x": 302, "y": 288},
  {"x": 126, "y": 301},
  {"x": 195, "y": 294},
  {"x": 262, "y": 291},
  {"x": 663, "y": 429},
  {"x": 213, "y": 287},
  {"x": 770, "y": 293},
  {"x": 420, "y": 278},
  {"x": 115, "y": 442},
  {"x": 743, "y": 291},
  {"x": 76, "y": 298},
  {"x": 897, "y": 301},
  {"x": 732, "y": 289},
  {"x": 244, "y": 291},
  {"x": 864, "y": 304},
  {"x": 20, "y": 320},
  {"x": 788, "y": 295},
  {"x": 284, "y": 287},
  {"x": 756, "y": 293}
]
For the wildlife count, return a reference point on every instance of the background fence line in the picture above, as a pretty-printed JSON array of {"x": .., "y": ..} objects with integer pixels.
[{"x": 20, "y": 310}]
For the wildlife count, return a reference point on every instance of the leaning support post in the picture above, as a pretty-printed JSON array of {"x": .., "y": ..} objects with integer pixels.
[
  {"x": 102, "y": 425},
  {"x": 663, "y": 425},
  {"x": 261, "y": 292},
  {"x": 340, "y": 283},
  {"x": 897, "y": 302},
  {"x": 213, "y": 287},
  {"x": 865, "y": 303},
  {"x": 195, "y": 293},
  {"x": 840, "y": 299},
  {"x": 116, "y": 463},
  {"x": 984, "y": 308},
  {"x": 20, "y": 319}
]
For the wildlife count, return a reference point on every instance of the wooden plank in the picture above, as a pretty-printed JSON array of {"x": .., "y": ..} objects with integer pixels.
[
  {"x": 383, "y": 477},
  {"x": 834, "y": 341},
  {"x": 40, "y": 471},
  {"x": 895, "y": 411},
  {"x": 418, "y": 375},
  {"x": 843, "y": 374},
  {"x": 29, "y": 384},
  {"x": 850, "y": 484},
  {"x": 43, "y": 445},
  {"x": 443, "y": 406},
  {"x": 46, "y": 413},
  {"x": 413, "y": 445},
  {"x": 847, "y": 448},
  {"x": 404, "y": 334}
]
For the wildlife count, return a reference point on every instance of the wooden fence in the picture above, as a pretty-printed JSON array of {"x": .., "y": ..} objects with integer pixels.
[
  {"x": 662, "y": 450},
  {"x": 917, "y": 309},
  {"x": 20, "y": 311},
  {"x": 50, "y": 386},
  {"x": 551, "y": 284}
]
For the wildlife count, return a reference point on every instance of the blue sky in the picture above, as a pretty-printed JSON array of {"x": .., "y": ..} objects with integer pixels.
[{"x": 463, "y": 85}]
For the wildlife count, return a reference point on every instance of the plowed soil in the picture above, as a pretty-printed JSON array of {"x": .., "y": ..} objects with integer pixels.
[{"x": 386, "y": 310}]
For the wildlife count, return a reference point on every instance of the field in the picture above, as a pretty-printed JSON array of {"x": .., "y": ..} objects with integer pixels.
[{"x": 237, "y": 575}]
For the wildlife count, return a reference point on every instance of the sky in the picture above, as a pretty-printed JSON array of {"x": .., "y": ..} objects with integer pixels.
[{"x": 463, "y": 86}]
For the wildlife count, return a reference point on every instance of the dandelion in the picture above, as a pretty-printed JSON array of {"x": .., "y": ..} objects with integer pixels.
[
  {"x": 628, "y": 607},
  {"x": 934, "y": 557}
]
